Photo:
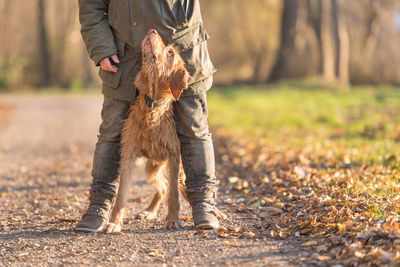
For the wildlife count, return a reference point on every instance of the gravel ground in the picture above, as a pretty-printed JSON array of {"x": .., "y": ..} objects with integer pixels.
[{"x": 46, "y": 148}]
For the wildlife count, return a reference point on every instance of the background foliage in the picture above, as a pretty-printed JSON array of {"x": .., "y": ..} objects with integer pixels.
[{"x": 252, "y": 41}]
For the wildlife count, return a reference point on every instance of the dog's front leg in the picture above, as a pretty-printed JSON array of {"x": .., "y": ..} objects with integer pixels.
[
  {"x": 173, "y": 221},
  {"x": 118, "y": 211}
]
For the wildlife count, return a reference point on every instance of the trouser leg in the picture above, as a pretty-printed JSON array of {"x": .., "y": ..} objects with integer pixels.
[
  {"x": 197, "y": 158},
  {"x": 190, "y": 114},
  {"x": 105, "y": 166},
  {"x": 107, "y": 153}
]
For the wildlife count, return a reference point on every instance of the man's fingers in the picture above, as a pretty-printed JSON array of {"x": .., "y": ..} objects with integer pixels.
[
  {"x": 115, "y": 58},
  {"x": 106, "y": 65}
]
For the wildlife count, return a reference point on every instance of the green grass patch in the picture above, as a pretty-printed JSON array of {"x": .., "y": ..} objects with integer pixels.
[
  {"x": 341, "y": 129},
  {"x": 270, "y": 110}
]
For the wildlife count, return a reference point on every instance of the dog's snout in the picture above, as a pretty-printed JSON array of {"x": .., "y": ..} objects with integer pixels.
[{"x": 153, "y": 31}]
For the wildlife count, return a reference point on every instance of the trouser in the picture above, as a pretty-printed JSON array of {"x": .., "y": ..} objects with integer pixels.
[{"x": 190, "y": 114}]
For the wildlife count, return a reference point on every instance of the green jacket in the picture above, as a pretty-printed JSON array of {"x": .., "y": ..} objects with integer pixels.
[{"x": 118, "y": 27}]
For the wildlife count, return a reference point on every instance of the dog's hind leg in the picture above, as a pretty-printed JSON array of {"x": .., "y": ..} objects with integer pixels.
[
  {"x": 173, "y": 221},
  {"x": 118, "y": 211},
  {"x": 182, "y": 179},
  {"x": 153, "y": 176}
]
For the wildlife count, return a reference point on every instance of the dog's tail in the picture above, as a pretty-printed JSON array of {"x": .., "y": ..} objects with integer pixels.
[{"x": 182, "y": 186}]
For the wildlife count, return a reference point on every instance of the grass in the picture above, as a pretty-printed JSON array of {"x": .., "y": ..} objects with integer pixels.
[
  {"x": 362, "y": 117},
  {"x": 330, "y": 153},
  {"x": 362, "y": 112},
  {"x": 342, "y": 129}
]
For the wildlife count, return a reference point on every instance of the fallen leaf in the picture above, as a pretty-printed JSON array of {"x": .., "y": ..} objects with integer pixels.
[
  {"x": 235, "y": 229},
  {"x": 198, "y": 232},
  {"x": 359, "y": 254},
  {"x": 189, "y": 234},
  {"x": 341, "y": 228},
  {"x": 256, "y": 204},
  {"x": 272, "y": 210},
  {"x": 323, "y": 258},
  {"x": 187, "y": 219},
  {"x": 240, "y": 200},
  {"x": 233, "y": 179},
  {"x": 152, "y": 254},
  {"x": 229, "y": 243},
  {"x": 309, "y": 243},
  {"x": 222, "y": 229},
  {"x": 321, "y": 248},
  {"x": 365, "y": 236}
]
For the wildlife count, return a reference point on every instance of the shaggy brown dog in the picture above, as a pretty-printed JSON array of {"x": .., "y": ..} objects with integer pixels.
[{"x": 150, "y": 131}]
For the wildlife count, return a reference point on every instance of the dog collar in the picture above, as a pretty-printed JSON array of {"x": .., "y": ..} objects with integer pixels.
[{"x": 151, "y": 103}]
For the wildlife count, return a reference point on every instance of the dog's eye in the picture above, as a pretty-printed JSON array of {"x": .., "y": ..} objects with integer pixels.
[{"x": 171, "y": 52}]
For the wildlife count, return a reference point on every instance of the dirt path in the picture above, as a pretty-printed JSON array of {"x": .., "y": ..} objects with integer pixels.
[{"x": 45, "y": 162}]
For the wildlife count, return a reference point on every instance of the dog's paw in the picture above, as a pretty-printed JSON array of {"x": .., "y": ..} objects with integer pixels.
[
  {"x": 112, "y": 228},
  {"x": 174, "y": 224},
  {"x": 147, "y": 215}
]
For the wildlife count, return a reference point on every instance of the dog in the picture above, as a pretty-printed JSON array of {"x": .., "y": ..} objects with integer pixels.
[{"x": 150, "y": 131}]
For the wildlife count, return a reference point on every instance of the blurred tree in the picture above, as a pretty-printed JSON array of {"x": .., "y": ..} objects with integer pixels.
[
  {"x": 5, "y": 6},
  {"x": 244, "y": 38},
  {"x": 255, "y": 39},
  {"x": 43, "y": 51},
  {"x": 69, "y": 57},
  {"x": 251, "y": 41},
  {"x": 372, "y": 26},
  {"x": 287, "y": 37},
  {"x": 298, "y": 43},
  {"x": 321, "y": 27},
  {"x": 328, "y": 40},
  {"x": 344, "y": 46},
  {"x": 335, "y": 42}
]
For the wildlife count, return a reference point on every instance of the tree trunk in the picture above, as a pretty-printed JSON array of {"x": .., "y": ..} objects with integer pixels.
[
  {"x": 344, "y": 46},
  {"x": 43, "y": 52},
  {"x": 314, "y": 16},
  {"x": 328, "y": 41},
  {"x": 373, "y": 28},
  {"x": 287, "y": 38},
  {"x": 4, "y": 13}
]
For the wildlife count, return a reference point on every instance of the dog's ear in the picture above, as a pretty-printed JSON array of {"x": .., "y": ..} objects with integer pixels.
[
  {"x": 142, "y": 82},
  {"x": 179, "y": 82}
]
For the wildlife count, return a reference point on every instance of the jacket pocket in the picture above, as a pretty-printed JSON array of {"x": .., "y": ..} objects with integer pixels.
[
  {"x": 110, "y": 79},
  {"x": 187, "y": 38},
  {"x": 192, "y": 45},
  {"x": 198, "y": 63}
]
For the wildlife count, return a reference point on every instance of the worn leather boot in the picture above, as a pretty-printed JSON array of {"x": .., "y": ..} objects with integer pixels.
[
  {"x": 203, "y": 210},
  {"x": 97, "y": 213}
]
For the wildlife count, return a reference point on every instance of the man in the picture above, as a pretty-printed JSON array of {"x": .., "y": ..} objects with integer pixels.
[{"x": 113, "y": 31}]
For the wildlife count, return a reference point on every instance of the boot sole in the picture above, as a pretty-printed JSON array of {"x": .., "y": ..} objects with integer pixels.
[
  {"x": 206, "y": 226},
  {"x": 87, "y": 230}
]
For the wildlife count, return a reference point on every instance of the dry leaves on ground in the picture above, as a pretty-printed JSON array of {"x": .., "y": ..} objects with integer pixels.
[{"x": 326, "y": 202}]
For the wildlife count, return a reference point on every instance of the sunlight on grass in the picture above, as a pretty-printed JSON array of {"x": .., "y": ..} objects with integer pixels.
[
  {"x": 353, "y": 134},
  {"x": 273, "y": 110}
]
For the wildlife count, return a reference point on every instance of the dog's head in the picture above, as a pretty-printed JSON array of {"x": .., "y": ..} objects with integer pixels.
[{"x": 163, "y": 70}]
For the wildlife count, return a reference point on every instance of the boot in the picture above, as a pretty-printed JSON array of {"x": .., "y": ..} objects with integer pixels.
[
  {"x": 97, "y": 213},
  {"x": 203, "y": 209}
]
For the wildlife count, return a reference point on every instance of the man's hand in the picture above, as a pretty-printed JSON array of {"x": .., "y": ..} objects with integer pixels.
[{"x": 106, "y": 65}]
